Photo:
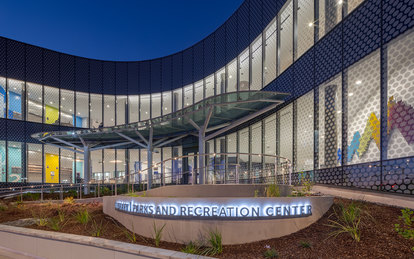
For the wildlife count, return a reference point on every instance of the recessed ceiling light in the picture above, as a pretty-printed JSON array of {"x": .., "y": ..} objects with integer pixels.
[
  {"x": 70, "y": 110},
  {"x": 310, "y": 24},
  {"x": 63, "y": 98},
  {"x": 358, "y": 82},
  {"x": 350, "y": 94},
  {"x": 51, "y": 102},
  {"x": 107, "y": 106},
  {"x": 40, "y": 98}
]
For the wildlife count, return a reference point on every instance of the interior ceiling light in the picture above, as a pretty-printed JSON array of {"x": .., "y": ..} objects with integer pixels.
[{"x": 358, "y": 82}]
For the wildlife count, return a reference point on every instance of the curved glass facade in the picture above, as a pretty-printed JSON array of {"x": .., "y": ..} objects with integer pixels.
[{"x": 342, "y": 86}]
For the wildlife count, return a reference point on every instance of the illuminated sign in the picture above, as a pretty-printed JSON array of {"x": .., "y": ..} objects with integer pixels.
[{"x": 216, "y": 210}]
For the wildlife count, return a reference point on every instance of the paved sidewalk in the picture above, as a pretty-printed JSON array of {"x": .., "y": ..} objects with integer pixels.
[
  {"x": 397, "y": 200},
  {"x": 6, "y": 253}
]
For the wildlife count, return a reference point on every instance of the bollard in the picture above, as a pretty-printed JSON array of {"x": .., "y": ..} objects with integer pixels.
[{"x": 41, "y": 192}]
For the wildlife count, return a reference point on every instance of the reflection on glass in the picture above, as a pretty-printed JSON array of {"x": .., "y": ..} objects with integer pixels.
[
  {"x": 2, "y": 97},
  {"x": 330, "y": 14},
  {"x": 177, "y": 100},
  {"x": 14, "y": 93},
  {"x": 67, "y": 168},
  {"x": 14, "y": 168},
  {"x": 199, "y": 91},
  {"x": 96, "y": 160},
  {"x": 221, "y": 81},
  {"x": 188, "y": 95},
  {"x": 109, "y": 164}
]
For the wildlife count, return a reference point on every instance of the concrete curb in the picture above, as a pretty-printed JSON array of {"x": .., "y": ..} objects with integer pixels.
[{"x": 83, "y": 241}]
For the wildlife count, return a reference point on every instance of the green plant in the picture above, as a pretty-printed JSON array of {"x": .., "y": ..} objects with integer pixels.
[
  {"x": 73, "y": 193},
  {"x": 69, "y": 200},
  {"x": 97, "y": 229},
  {"x": 61, "y": 215},
  {"x": 105, "y": 191},
  {"x": 3, "y": 207},
  {"x": 348, "y": 221},
  {"x": 256, "y": 193},
  {"x": 130, "y": 234},
  {"x": 272, "y": 190},
  {"x": 306, "y": 183},
  {"x": 83, "y": 216},
  {"x": 31, "y": 196},
  {"x": 215, "y": 245},
  {"x": 55, "y": 224},
  {"x": 407, "y": 230},
  {"x": 305, "y": 244},
  {"x": 191, "y": 248},
  {"x": 42, "y": 221},
  {"x": 157, "y": 234},
  {"x": 270, "y": 252}
]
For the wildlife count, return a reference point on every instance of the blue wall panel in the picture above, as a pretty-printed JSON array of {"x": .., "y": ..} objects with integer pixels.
[
  {"x": 177, "y": 71},
  {"x": 166, "y": 72},
  {"x": 398, "y": 17},
  {"x": 145, "y": 77},
  {"x": 220, "y": 47},
  {"x": 188, "y": 66},
  {"x": 231, "y": 38},
  {"x": 362, "y": 32},
  {"x": 109, "y": 82},
  {"x": 156, "y": 76},
  {"x": 328, "y": 55},
  {"x": 96, "y": 76},
  {"x": 121, "y": 78},
  {"x": 16, "y": 60},
  {"x": 51, "y": 68},
  {"x": 209, "y": 55},
  {"x": 243, "y": 27},
  {"x": 67, "y": 72},
  {"x": 82, "y": 74},
  {"x": 133, "y": 78},
  {"x": 198, "y": 61},
  {"x": 255, "y": 17}
]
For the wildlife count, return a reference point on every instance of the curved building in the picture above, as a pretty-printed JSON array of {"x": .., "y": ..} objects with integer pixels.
[{"x": 347, "y": 65}]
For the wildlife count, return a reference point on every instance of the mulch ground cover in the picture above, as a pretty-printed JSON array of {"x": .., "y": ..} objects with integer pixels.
[{"x": 378, "y": 236}]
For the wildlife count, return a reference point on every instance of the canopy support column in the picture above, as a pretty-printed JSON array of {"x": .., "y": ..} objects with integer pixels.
[
  {"x": 86, "y": 167},
  {"x": 201, "y": 141},
  {"x": 149, "y": 159}
]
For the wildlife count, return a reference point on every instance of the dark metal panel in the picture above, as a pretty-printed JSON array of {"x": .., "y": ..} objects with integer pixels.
[
  {"x": 109, "y": 77},
  {"x": 328, "y": 55},
  {"x": 270, "y": 10},
  {"x": 67, "y": 72},
  {"x": 166, "y": 72},
  {"x": 199, "y": 61},
  {"x": 283, "y": 83},
  {"x": 122, "y": 78},
  {"x": 3, "y": 129},
  {"x": 209, "y": 55},
  {"x": 243, "y": 26},
  {"x": 145, "y": 77},
  {"x": 32, "y": 128},
  {"x": 133, "y": 78},
  {"x": 231, "y": 38},
  {"x": 188, "y": 66},
  {"x": 156, "y": 76},
  {"x": 398, "y": 17},
  {"x": 82, "y": 75},
  {"x": 177, "y": 69},
  {"x": 220, "y": 47},
  {"x": 3, "y": 48},
  {"x": 304, "y": 74},
  {"x": 96, "y": 76},
  {"x": 362, "y": 32},
  {"x": 255, "y": 16},
  {"x": 16, "y": 130},
  {"x": 51, "y": 68},
  {"x": 16, "y": 60}
]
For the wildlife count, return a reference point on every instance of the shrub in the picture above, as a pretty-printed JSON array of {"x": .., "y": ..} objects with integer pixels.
[
  {"x": 191, "y": 248},
  {"x": 272, "y": 190},
  {"x": 306, "y": 183},
  {"x": 215, "y": 245},
  {"x": 407, "y": 230},
  {"x": 83, "y": 216},
  {"x": 157, "y": 234},
  {"x": 130, "y": 234},
  {"x": 348, "y": 221},
  {"x": 72, "y": 193},
  {"x": 42, "y": 221},
  {"x": 55, "y": 224},
  {"x": 97, "y": 229},
  {"x": 270, "y": 252},
  {"x": 31, "y": 196},
  {"x": 305, "y": 244},
  {"x": 105, "y": 191},
  {"x": 61, "y": 215},
  {"x": 3, "y": 207},
  {"x": 69, "y": 200},
  {"x": 256, "y": 193}
]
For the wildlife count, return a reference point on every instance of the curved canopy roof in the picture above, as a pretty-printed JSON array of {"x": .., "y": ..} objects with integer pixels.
[{"x": 209, "y": 114}]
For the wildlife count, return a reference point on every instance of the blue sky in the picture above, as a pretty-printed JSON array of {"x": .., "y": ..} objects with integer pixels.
[{"x": 113, "y": 30}]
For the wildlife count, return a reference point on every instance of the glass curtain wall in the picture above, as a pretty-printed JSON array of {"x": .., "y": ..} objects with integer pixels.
[
  {"x": 257, "y": 63},
  {"x": 2, "y": 97},
  {"x": 109, "y": 111},
  {"x": 67, "y": 108},
  {"x": 34, "y": 102},
  {"x": 270, "y": 53},
  {"x": 133, "y": 108},
  {"x": 82, "y": 110},
  {"x": 244, "y": 72},
  {"x": 121, "y": 106},
  {"x": 305, "y": 26},
  {"x": 286, "y": 36},
  {"x": 96, "y": 111},
  {"x": 51, "y": 106},
  {"x": 15, "y": 91},
  {"x": 34, "y": 162}
]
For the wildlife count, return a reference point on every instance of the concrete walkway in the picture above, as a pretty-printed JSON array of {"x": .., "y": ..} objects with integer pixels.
[
  {"x": 391, "y": 199},
  {"x": 7, "y": 253}
]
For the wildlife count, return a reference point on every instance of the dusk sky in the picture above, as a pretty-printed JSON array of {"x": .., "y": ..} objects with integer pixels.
[{"x": 113, "y": 30}]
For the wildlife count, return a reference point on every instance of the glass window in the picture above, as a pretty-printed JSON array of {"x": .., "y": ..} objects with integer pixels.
[
  {"x": 199, "y": 91},
  {"x": 304, "y": 133},
  {"x": 156, "y": 105},
  {"x": 188, "y": 95},
  {"x": 15, "y": 90},
  {"x": 96, "y": 161},
  {"x": 156, "y": 159},
  {"x": 78, "y": 168},
  {"x": 82, "y": 110},
  {"x": 145, "y": 109},
  {"x": 2, "y": 97},
  {"x": 286, "y": 132},
  {"x": 96, "y": 110},
  {"x": 109, "y": 164},
  {"x": 257, "y": 64},
  {"x": 270, "y": 135},
  {"x": 177, "y": 100},
  {"x": 52, "y": 172},
  {"x": 352, "y": 4},
  {"x": 144, "y": 164},
  {"x": 14, "y": 171},
  {"x": 34, "y": 102},
  {"x": 270, "y": 51},
  {"x": 364, "y": 110},
  {"x": 244, "y": 84},
  {"x": 400, "y": 54},
  {"x": 221, "y": 81},
  {"x": 330, "y": 123},
  {"x": 120, "y": 163},
  {"x": 167, "y": 154},
  {"x": 330, "y": 14},
  {"x": 286, "y": 36},
  {"x": 109, "y": 110},
  {"x": 166, "y": 102},
  {"x": 232, "y": 143},
  {"x": 34, "y": 163},
  {"x": 67, "y": 162},
  {"x": 209, "y": 82},
  {"x": 134, "y": 165},
  {"x": 51, "y": 113},
  {"x": 121, "y": 103},
  {"x": 231, "y": 76},
  {"x": 244, "y": 148},
  {"x": 133, "y": 108},
  {"x": 67, "y": 108},
  {"x": 305, "y": 26}
]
